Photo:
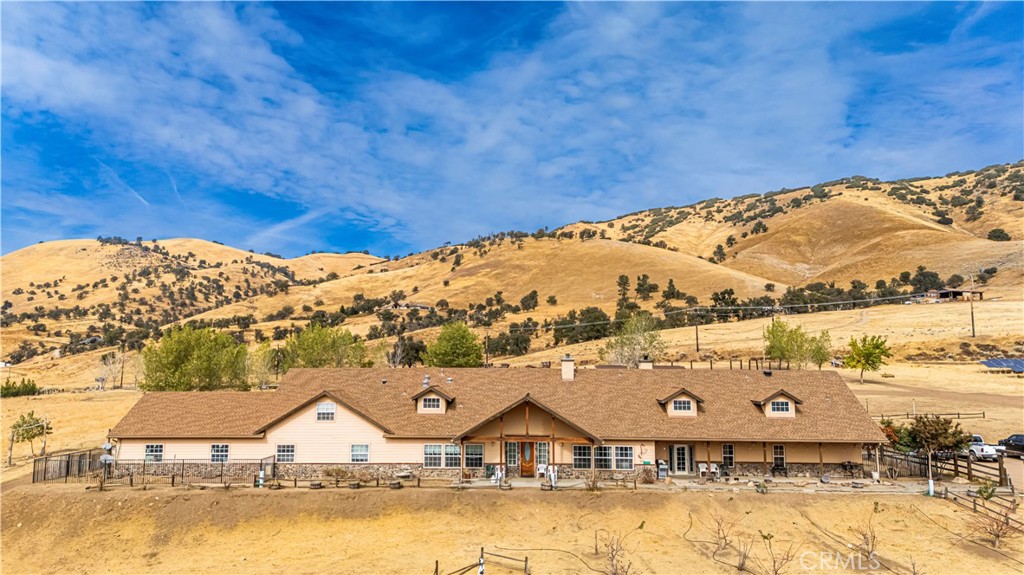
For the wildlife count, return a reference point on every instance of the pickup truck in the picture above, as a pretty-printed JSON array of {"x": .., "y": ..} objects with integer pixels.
[
  {"x": 978, "y": 449},
  {"x": 1013, "y": 445}
]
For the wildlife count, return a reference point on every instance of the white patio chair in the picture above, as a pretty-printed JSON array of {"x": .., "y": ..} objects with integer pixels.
[
  {"x": 542, "y": 470},
  {"x": 703, "y": 469},
  {"x": 714, "y": 470}
]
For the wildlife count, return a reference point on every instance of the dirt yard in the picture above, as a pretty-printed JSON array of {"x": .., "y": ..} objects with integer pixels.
[{"x": 382, "y": 531}]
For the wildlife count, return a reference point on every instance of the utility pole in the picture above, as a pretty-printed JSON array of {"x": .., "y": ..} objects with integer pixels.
[
  {"x": 123, "y": 358},
  {"x": 972, "y": 305}
]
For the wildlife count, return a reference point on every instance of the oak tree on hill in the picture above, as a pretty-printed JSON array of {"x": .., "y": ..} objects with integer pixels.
[
  {"x": 998, "y": 235},
  {"x": 867, "y": 354},
  {"x": 529, "y": 301},
  {"x": 456, "y": 346},
  {"x": 190, "y": 359}
]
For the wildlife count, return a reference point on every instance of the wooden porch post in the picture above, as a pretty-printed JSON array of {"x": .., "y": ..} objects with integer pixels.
[
  {"x": 462, "y": 458},
  {"x": 707, "y": 446},
  {"x": 501, "y": 441},
  {"x": 553, "y": 448},
  {"x": 526, "y": 419},
  {"x": 821, "y": 460},
  {"x": 878, "y": 460},
  {"x": 764, "y": 456}
]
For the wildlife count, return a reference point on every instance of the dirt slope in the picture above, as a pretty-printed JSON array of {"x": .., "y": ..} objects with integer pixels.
[{"x": 382, "y": 531}]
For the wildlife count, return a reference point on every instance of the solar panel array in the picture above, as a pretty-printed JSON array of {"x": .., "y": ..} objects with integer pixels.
[{"x": 1015, "y": 365}]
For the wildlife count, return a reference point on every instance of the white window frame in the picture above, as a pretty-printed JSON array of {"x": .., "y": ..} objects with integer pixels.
[
  {"x": 325, "y": 411},
  {"x": 285, "y": 456},
  {"x": 778, "y": 453},
  {"x": 360, "y": 456},
  {"x": 512, "y": 453},
  {"x": 728, "y": 456},
  {"x": 215, "y": 452},
  {"x": 433, "y": 452},
  {"x": 780, "y": 406},
  {"x": 154, "y": 452},
  {"x": 471, "y": 457},
  {"x": 543, "y": 453},
  {"x": 582, "y": 453},
  {"x": 604, "y": 457},
  {"x": 623, "y": 457},
  {"x": 682, "y": 405},
  {"x": 434, "y": 403},
  {"x": 452, "y": 455}
]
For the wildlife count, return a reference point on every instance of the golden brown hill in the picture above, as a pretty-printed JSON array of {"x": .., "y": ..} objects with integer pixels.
[
  {"x": 855, "y": 228},
  {"x": 77, "y": 286}
]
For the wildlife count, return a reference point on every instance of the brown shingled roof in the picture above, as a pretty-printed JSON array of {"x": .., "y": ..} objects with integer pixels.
[{"x": 611, "y": 404}]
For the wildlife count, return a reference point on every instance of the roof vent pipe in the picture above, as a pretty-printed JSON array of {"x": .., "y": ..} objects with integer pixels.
[
  {"x": 426, "y": 381},
  {"x": 450, "y": 380},
  {"x": 767, "y": 373},
  {"x": 383, "y": 382}
]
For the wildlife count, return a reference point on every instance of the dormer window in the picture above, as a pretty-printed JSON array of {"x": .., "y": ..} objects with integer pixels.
[
  {"x": 432, "y": 400},
  {"x": 779, "y": 404},
  {"x": 682, "y": 405}
]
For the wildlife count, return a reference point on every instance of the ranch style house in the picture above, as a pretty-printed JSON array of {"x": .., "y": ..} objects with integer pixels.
[{"x": 459, "y": 422}]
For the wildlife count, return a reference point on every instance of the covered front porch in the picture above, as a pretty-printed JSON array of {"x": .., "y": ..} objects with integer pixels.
[
  {"x": 696, "y": 458},
  {"x": 527, "y": 439}
]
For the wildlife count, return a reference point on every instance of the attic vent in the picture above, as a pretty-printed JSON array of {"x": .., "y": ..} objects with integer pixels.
[
  {"x": 383, "y": 382},
  {"x": 426, "y": 381},
  {"x": 767, "y": 373}
]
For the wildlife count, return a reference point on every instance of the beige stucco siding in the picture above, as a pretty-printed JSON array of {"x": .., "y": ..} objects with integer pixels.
[
  {"x": 752, "y": 452},
  {"x": 315, "y": 441}
]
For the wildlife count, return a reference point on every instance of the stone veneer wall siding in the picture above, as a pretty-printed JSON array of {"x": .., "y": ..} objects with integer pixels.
[
  {"x": 567, "y": 471},
  {"x": 797, "y": 469}
]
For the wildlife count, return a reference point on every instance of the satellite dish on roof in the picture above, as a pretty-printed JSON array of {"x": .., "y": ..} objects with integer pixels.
[
  {"x": 106, "y": 447},
  {"x": 106, "y": 459}
]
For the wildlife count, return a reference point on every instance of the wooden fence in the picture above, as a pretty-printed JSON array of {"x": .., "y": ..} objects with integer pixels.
[
  {"x": 486, "y": 558},
  {"x": 997, "y": 507},
  {"x": 957, "y": 415},
  {"x": 896, "y": 463}
]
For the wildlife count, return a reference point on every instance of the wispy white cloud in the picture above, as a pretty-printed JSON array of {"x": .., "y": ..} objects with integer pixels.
[{"x": 613, "y": 108}]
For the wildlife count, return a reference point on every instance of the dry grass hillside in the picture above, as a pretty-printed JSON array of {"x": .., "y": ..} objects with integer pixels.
[
  {"x": 77, "y": 286},
  {"x": 76, "y": 296},
  {"x": 562, "y": 268}
]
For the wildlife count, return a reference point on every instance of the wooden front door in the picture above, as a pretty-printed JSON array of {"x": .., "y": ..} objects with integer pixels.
[{"x": 527, "y": 459}]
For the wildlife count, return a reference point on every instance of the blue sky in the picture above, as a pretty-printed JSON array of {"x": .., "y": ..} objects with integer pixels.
[{"x": 395, "y": 127}]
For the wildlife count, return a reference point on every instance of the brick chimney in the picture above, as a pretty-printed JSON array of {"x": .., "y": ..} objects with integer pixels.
[
  {"x": 646, "y": 362},
  {"x": 568, "y": 368}
]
